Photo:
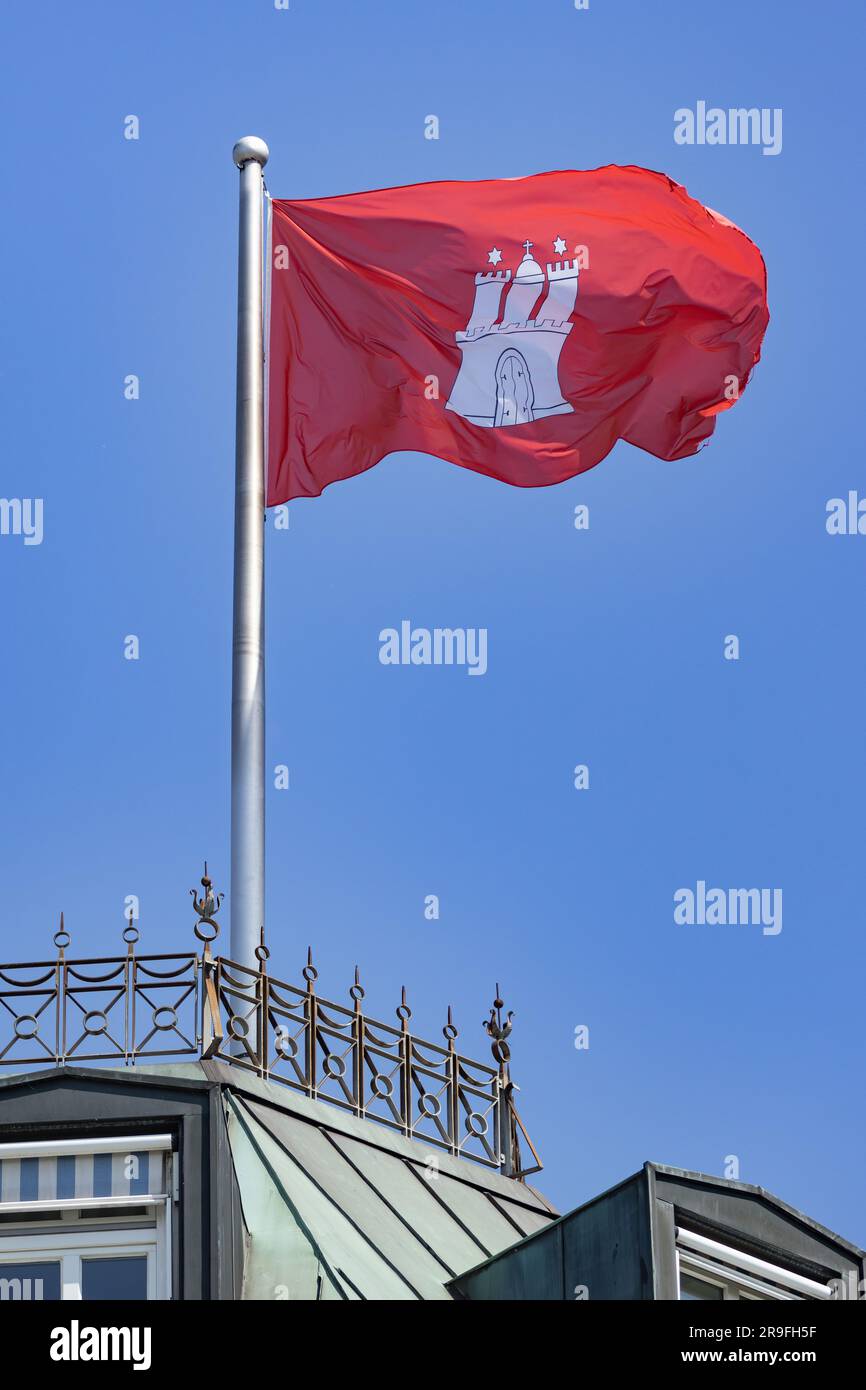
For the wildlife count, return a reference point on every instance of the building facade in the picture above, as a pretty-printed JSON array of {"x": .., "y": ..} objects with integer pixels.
[{"x": 182, "y": 1127}]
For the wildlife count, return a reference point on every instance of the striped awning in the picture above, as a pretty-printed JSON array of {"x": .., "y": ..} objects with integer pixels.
[{"x": 83, "y": 1171}]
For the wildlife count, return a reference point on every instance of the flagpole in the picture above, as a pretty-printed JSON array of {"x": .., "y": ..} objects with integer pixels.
[{"x": 248, "y": 653}]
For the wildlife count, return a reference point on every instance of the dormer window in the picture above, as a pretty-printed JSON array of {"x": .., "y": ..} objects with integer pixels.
[
  {"x": 710, "y": 1270},
  {"x": 86, "y": 1219}
]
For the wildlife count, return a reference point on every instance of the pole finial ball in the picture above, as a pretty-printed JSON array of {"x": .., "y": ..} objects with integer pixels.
[{"x": 250, "y": 147}]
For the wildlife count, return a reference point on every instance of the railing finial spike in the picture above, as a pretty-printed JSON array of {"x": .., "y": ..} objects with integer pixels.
[
  {"x": 131, "y": 932},
  {"x": 450, "y": 1031},
  {"x": 309, "y": 972},
  {"x": 62, "y": 939},
  {"x": 262, "y": 952},
  {"x": 357, "y": 991},
  {"x": 403, "y": 1012}
]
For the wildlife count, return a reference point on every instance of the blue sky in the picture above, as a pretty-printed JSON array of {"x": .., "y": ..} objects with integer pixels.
[{"x": 605, "y": 646}]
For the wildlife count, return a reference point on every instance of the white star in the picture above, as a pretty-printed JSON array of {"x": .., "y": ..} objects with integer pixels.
[
  {"x": 559, "y": 246},
  {"x": 494, "y": 256}
]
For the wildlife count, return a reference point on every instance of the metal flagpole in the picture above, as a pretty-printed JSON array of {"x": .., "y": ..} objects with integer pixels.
[{"x": 248, "y": 654}]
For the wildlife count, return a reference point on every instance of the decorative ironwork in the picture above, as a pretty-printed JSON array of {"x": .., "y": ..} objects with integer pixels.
[
  {"x": 197, "y": 1004},
  {"x": 108, "y": 1008},
  {"x": 207, "y": 907},
  {"x": 498, "y": 1030},
  {"x": 512, "y": 1126}
]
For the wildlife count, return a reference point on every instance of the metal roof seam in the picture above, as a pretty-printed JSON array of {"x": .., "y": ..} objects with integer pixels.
[
  {"x": 454, "y": 1217},
  {"x": 354, "y": 1224},
  {"x": 314, "y": 1244},
  {"x": 450, "y": 1273}
]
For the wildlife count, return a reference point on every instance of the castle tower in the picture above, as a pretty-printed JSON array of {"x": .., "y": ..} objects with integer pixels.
[
  {"x": 528, "y": 282},
  {"x": 561, "y": 294},
  {"x": 488, "y": 297}
]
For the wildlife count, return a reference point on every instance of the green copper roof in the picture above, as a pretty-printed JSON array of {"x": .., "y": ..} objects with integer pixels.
[{"x": 337, "y": 1207}]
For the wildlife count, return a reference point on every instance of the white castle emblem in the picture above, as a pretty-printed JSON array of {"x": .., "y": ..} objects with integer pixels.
[{"x": 509, "y": 373}]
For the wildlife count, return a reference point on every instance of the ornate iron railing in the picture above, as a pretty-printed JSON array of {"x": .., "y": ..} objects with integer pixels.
[{"x": 129, "y": 1007}]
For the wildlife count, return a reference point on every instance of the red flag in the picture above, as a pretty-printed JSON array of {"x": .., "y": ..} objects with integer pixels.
[{"x": 518, "y": 327}]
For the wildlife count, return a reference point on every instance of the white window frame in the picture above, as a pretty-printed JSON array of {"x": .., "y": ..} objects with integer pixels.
[
  {"x": 740, "y": 1275},
  {"x": 733, "y": 1284},
  {"x": 70, "y": 1247}
]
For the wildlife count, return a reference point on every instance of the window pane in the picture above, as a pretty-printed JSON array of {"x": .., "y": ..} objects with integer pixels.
[
  {"x": 697, "y": 1288},
  {"x": 116, "y": 1277},
  {"x": 30, "y": 1282}
]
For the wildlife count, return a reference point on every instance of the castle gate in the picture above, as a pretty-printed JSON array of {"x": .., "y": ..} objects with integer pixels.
[{"x": 515, "y": 396}]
